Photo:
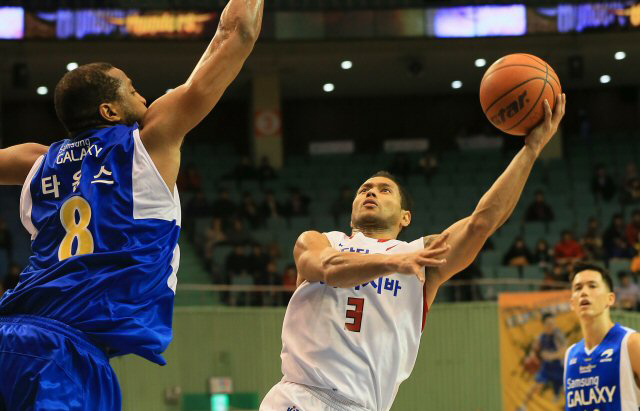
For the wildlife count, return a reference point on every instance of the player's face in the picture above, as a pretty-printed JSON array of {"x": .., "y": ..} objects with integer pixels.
[
  {"x": 378, "y": 203},
  {"x": 590, "y": 296},
  {"x": 132, "y": 105},
  {"x": 549, "y": 325}
]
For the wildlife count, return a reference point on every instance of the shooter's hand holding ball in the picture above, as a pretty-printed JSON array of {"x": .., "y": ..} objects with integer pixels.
[
  {"x": 541, "y": 134},
  {"x": 513, "y": 91}
]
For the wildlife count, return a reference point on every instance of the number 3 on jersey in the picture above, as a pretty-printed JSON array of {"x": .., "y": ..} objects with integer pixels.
[
  {"x": 355, "y": 314},
  {"x": 76, "y": 230}
]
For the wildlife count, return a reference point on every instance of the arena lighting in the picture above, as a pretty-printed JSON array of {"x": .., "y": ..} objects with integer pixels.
[
  {"x": 346, "y": 65},
  {"x": 42, "y": 91},
  {"x": 456, "y": 84},
  {"x": 329, "y": 87},
  {"x": 605, "y": 78},
  {"x": 72, "y": 66},
  {"x": 620, "y": 55},
  {"x": 480, "y": 62}
]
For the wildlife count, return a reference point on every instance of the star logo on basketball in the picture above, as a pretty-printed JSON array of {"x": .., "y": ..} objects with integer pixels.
[
  {"x": 511, "y": 109},
  {"x": 513, "y": 91}
]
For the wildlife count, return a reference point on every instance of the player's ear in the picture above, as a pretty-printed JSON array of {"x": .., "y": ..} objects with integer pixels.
[
  {"x": 405, "y": 218},
  {"x": 612, "y": 298},
  {"x": 110, "y": 112}
]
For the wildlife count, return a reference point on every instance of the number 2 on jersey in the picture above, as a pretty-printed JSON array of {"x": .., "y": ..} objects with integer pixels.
[
  {"x": 355, "y": 314},
  {"x": 76, "y": 230}
]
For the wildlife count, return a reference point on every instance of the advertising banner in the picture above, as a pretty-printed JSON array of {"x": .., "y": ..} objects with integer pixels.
[{"x": 535, "y": 331}]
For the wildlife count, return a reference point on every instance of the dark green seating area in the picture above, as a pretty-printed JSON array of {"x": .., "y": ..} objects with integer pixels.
[{"x": 462, "y": 178}]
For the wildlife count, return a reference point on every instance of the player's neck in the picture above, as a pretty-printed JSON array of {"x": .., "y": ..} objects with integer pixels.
[
  {"x": 375, "y": 232},
  {"x": 595, "y": 329}
]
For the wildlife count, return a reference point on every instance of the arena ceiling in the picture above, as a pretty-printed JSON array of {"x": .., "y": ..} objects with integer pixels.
[{"x": 399, "y": 67}]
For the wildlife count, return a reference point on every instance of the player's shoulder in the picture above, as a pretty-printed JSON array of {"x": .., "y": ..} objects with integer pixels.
[
  {"x": 311, "y": 237},
  {"x": 121, "y": 133},
  {"x": 575, "y": 347},
  {"x": 571, "y": 348},
  {"x": 633, "y": 339}
]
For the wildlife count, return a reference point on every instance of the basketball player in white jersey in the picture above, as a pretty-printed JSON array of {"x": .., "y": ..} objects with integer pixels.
[
  {"x": 601, "y": 371},
  {"x": 352, "y": 328}
]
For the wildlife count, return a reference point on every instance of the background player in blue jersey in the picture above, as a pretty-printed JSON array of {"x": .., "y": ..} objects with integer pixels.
[
  {"x": 104, "y": 216},
  {"x": 549, "y": 347},
  {"x": 602, "y": 371}
]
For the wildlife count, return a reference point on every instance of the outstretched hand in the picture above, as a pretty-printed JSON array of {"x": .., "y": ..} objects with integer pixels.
[
  {"x": 430, "y": 256},
  {"x": 542, "y": 133}
]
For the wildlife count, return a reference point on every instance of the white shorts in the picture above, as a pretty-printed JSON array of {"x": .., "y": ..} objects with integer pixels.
[{"x": 289, "y": 396}]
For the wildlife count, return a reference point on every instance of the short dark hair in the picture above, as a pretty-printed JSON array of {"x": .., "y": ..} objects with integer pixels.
[
  {"x": 545, "y": 316},
  {"x": 79, "y": 94},
  {"x": 591, "y": 266},
  {"x": 406, "y": 201}
]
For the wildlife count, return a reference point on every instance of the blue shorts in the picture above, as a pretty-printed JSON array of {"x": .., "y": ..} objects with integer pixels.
[
  {"x": 47, "y": 365},
  {"x": 551, "y": 373}
]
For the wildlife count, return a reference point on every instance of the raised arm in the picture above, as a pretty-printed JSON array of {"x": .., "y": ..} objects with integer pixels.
[
  {"x": 173, "y": 115},
  {"x": 16, "y": 162},
  {"x": 468, "y": 235},
  {"x": 317, "y": 261}
]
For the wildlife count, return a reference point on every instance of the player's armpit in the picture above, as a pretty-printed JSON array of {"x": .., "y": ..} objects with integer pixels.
[
  {"x": 16, "y": 162},
  {"x": 309, "y": 253},
  {"x": 633, "y": 344}
]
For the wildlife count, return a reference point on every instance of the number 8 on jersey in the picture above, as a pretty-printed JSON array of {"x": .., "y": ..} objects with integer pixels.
[{"x": 75, "y": 230}]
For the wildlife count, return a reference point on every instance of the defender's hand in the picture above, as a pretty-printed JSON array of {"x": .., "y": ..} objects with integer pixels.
[
  {"x": 542, "y": 133},
  {"x": 414, "y": 263}
]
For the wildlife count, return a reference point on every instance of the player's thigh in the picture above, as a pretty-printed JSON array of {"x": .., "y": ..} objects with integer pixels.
[
  {"x": 101, "y": 390},
  {"x": 34, "y": 384},
  {"x": 46, "y": 371},
  {"x": 287, "y": 396}
]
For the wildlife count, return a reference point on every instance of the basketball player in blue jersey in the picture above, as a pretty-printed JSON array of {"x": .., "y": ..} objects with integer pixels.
[
  {"x": 550, "y": 348},
  {"x": 104, "y": 217},
  {"x": 601, "y": 371}
]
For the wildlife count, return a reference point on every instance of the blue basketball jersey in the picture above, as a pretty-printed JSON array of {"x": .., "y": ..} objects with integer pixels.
[
  {"x": 104, "y": 228},
  {"x": 601, "y": 379}
]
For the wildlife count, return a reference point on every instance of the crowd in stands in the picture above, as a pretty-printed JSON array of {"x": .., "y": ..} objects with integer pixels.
[
  {"x": 617, "y": 247},
  {"x": 230, "y": 224},
  {"x": 223, "y": 230},
  {"x": 251, "y": 262},
  {"x": 248, "y": 261}
]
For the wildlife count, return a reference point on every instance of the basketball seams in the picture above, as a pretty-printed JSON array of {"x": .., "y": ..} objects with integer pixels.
[
  {"x": 525, "y": 69},
  {"x": 546, "y": 81},
  {"x": 534, "y": 58},
  {"x": 553, "y": 76},
  {"x": 510, "y": 90},
  {"x": 512, "y": 65},
  {"x": 519, "y": 65}
]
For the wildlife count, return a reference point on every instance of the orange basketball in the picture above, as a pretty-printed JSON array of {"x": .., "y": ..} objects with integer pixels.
[{"x": 513, "y": 90}]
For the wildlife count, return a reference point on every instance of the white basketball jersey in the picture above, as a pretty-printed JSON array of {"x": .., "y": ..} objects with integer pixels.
[{"x": 360, "y": 342}]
